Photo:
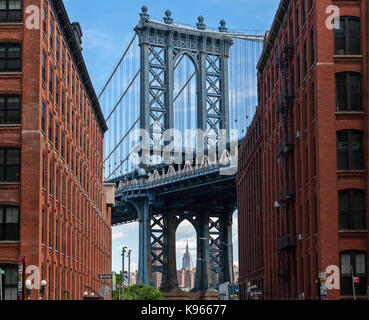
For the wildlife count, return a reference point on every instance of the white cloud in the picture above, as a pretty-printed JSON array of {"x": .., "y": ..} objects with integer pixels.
[{"x": 118, "y": 235}]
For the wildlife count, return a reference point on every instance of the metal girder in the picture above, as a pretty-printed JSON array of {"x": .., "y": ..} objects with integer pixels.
[{"x": 162, "y": 46}]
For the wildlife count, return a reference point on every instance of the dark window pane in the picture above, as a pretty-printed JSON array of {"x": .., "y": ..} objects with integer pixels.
[
  {"x": 2, "y": 117},
  {"x": 12, "y": 157},
  {"x": 13, "y": 117}
]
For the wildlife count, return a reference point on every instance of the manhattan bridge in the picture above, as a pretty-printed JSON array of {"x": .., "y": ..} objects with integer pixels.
[{"x": 175, "y": 76}]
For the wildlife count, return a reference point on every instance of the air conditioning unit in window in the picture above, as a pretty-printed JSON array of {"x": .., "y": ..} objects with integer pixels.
[
  {"x": 300, "y": 237},
  {"x": 276, "y": 204},
  {"x": 298, "y": 134}
]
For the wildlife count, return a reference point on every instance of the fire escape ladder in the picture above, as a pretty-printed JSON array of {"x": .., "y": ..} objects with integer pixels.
[{"x": 284, "y": 104}]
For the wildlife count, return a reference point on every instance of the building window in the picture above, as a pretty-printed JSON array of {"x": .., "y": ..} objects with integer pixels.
[
  {"x": 57, "y": 136},
  {"x": 43, "y": 115},
  {"x": 298, "y": 71},
  {"x": 57, "y": 50},
  {"x": 9, "y": 165},
  {"x": 306, "y": 63},
  {"x": 347, "y": 37},
  {"x": 297, "y": 21},
  {"x": 62, "y": 144},
  {"x": 51, "y": 31},
  {"x": 50, "y": 126},
  {"x": 43, "y": 226},
  {"x": 312, "y": 36},
  {"x": 51, "y": 84},
  {"x": 10, "y": 10},
  {"x": 351, "y": 209},
  {"x": 353, "y": 264},
  {"x": 9, "y": 224},
  {"x": 63, "y": 60},
  {"x": 10, "y": 57},
  {"x": 63, "y": 101},
  {"x": 303, "y": 11},
  {"x": 348, "y": 91},
  {"x": 9, "y": 282},
  {"x": 350, "y": 150},
  {"x": 44, "y": 21},
  {"x": 10, "y": 110},
  {"x": 57, "y": 91}
]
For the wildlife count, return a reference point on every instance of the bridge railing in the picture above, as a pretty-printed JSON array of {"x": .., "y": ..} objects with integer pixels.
[{"x": 167, "y": 178}]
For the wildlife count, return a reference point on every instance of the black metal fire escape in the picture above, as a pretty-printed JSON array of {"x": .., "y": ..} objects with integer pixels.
[{"x": 287, "y": 239}]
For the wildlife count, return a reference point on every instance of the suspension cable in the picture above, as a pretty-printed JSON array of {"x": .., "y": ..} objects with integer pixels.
[
  {"x": 116, "y": 68},
  {"x": 120, "y": 142}
]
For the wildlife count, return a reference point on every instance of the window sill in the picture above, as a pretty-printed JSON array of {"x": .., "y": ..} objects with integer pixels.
[
  {"x": 344, "y": 113},
  {"x": 348, "y": 56},
  {"x": 9, "y": 183},
  {"x": 352, "y": 231},
  {"x": 11, "y": 73},
  {"x": 16, "y": 126},
  {"x": 9, "y": 242},
  {"x": 350, "y": 171},
  {"x": 4, "y": 24}
]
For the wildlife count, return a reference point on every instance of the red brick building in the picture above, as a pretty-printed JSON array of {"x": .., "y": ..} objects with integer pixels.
[
  {"x": 313, "y": 84},
  {"x": 250, "y": 214},
  {"x": 54, "y": 213}
]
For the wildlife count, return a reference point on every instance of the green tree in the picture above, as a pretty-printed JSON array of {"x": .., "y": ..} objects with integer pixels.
[{"x": 142, "y": 292}]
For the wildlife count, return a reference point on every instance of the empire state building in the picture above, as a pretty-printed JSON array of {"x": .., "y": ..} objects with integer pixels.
[{"x": 187, "y": 259}]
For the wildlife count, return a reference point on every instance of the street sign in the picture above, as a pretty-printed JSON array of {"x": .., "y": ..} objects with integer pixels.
[
  {"x": 105, "y": 276},
  {"x": 323, "y": 287},
  {"x": 105, "y": 291},
  {"x": 322, "y": 275},
  {"x": 256, "y": 293}
]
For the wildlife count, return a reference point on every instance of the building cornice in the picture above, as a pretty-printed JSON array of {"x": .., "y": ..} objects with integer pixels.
[
  {"x": 272, "y": 35},
  {"x": 76, "y": 53}
]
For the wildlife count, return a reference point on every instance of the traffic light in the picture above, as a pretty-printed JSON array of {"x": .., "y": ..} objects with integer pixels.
[{"x": 2, "y": 272}]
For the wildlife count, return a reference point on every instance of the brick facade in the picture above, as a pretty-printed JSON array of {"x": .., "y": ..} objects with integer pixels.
[
  {"x": 301, "y": 179},
  {"x": 64, "y": 217}
]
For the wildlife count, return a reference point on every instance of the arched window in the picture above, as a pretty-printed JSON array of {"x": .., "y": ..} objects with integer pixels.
[
  {"x": 351, "y": 205},
  {"x": 350, "y": 151},
  {"x": 347, "y": 37},
  {"x": 348, "y": 91},
  {"x": 353, "y": 273}
]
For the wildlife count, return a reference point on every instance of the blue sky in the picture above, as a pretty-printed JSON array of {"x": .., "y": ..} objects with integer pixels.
[{"x": 107, "y": 28}]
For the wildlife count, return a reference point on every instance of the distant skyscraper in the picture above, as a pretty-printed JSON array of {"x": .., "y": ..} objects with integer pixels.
[
  {"x": 186, "y": 276},
  {"x": 187, "y": 259}
]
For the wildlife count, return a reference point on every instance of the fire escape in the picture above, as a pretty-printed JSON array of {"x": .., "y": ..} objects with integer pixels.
[{"x": 287, "y": 240}]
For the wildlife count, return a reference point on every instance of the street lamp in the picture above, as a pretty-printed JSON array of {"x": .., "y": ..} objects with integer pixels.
[
  {"x": 28, "y": 287},
  {"x": 129, "y": 267},
  {"x": 123, "y": 254},
  {"x": 42, "y": 290}
]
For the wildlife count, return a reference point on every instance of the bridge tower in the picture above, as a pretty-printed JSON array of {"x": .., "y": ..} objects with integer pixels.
[{"x": 162, "y": 44}]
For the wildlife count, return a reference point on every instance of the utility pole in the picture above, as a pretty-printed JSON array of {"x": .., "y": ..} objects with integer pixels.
[
  {"x": 123, "y": 254},
  {"x": 129, "y": 267}
]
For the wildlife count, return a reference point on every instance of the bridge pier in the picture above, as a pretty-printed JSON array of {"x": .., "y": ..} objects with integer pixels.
[
  {"x": 227, "y": 221},
  {"x": 203, "y": 273},
  {"x": 170, "y": 279},
  {"x": 144, "y": 260}
]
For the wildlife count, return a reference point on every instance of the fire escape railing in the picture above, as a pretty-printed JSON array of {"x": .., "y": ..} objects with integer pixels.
[{"x": 284, "y": 103}]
